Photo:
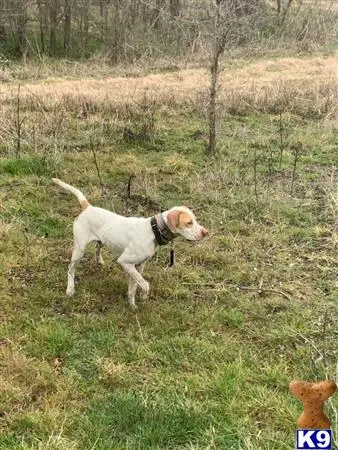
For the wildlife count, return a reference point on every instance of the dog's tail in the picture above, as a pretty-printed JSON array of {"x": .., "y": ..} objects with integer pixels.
[{"x": 82, "y": 199}]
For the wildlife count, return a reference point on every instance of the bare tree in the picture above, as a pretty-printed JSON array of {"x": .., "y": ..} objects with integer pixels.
[
  {"x": 219, "y": 39},
  {"x": 67, "y": 25},
  {"x": 234, "y": 23},
  {"x": 84, "y": 21},
  {"x": 174, "y": 8},
  {"x": 104, "y": 20},
  {"x": 283, "y": 7},
  {"x": 53, "y": 21},
  {"x": 17, "y": 18},
  {"x": 22, "y": 29},
  {"x": 2, "y": 22},
  {"x": 156, "y": 14},
  {"x": 42, "y": 10}
]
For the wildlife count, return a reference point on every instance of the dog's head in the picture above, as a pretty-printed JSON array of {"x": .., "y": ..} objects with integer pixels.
[{"x": 181, "y": 220}]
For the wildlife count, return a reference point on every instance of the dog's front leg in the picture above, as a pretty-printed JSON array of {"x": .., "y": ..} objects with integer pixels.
[
  {"x": 135, "y": 276},
  {"x": 132, "y": 287},
  {"x": 128, "y": 260},
  {"x": 140, "y": 268}
]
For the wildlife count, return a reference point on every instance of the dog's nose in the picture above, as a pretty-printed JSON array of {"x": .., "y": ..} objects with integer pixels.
[{"x": 204, "y": 232}]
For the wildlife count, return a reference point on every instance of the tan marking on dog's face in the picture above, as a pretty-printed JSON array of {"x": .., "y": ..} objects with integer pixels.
[
  {"x": 173, "y": 219},
  {"x": 180, "y": 220},
  {"x": 84, "y": 204},
  {"x": 185, "y": 220}
]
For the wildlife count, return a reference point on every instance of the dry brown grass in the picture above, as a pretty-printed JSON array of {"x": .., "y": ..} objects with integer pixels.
[
  {"x": 255, "y": 81},
  {"x": 126, "y": 108}
]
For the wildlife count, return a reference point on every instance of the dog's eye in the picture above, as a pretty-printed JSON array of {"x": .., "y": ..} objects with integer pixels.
[{"x": 189, "y": 223}]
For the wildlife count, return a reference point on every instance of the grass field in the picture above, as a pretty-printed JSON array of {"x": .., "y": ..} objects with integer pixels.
[{"x": 206, "y": 361}]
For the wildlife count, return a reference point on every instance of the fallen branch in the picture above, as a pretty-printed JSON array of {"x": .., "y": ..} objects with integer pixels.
[
  {"x": 129, "y": 185},
  {"x": 261, "y": 291}
]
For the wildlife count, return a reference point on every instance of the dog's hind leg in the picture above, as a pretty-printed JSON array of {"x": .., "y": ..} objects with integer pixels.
[
  {"x": 81, "y": 240},
  {"x": 132, "y": 287}
]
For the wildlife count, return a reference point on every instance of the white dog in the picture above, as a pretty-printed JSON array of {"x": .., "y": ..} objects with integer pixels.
[{"x": 132, "y": 240}]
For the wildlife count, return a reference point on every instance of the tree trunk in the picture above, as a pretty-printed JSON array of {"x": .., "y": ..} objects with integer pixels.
[
  {"x": 285, "y": 12},
  {"x": 219, "y": 42},
  {"x": 85, "y": 31},
  {"x": 42, "y": 26},
  {"x": 2, "y": 22},
  {"x": 156, "y": 14},
  {"x": 282, "y": 11},
  {"x": 67, "y": 26},
  {"x": 279, "y": 7},
  {"x": 53, "y": 18},
  {"x": 104, "y": 21},
  {"x": 22, "y": 23},
  {"x": 212, "y": 103},
  {"x": 133, "y": 11},
  {"x": 174, "y": 9}
]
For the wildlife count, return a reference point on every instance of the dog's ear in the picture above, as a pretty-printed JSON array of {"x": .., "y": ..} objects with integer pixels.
[{"x": 173, "y": 218}]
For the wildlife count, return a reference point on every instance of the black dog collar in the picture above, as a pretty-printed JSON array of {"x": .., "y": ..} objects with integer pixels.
[{"x": 162, "y": 232}]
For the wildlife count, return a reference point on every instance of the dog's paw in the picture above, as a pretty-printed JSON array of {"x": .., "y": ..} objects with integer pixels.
[
  {"x": 131, "y": 301},
  {"x": 144, "y": 295}
]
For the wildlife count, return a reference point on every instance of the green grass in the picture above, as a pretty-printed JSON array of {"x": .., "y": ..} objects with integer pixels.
[
  {"x": 206, "y": 361},
  {"x": 28, "y": 165}
]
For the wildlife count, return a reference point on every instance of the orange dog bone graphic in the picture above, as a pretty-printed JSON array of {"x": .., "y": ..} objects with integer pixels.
[{"x": 313, "y": 396}]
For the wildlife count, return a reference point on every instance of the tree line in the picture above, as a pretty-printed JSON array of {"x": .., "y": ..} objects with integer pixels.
[
  {"x": 78, "y": 28},
  {"x": 127, "y": 30}
]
